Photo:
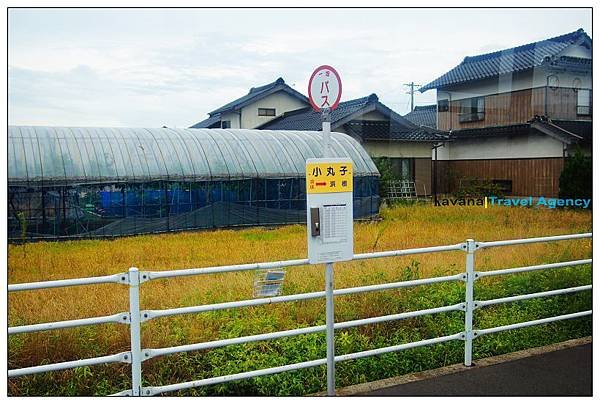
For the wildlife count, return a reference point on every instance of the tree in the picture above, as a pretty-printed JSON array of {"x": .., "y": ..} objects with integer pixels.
[
  {"x": 576, "y": 177},
  {"x": 384, "y": 166}
]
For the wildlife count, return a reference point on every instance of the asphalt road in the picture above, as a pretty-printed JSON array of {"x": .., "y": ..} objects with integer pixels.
[{"x": 567, "y": 372}]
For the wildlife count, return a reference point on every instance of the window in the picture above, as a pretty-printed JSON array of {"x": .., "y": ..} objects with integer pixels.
[
  {"x": 584, "y": 102},
  {"x": 403, "y": 168},
  {"x": 472, "y": 109},
  {"x": 225, "y": 124},
  {"x": 266, "y": 112},
  {"x": 443, "y": 106}
]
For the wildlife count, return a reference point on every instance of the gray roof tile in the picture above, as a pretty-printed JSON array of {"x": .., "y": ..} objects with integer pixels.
[
  {"x": 208, "y": 122},
  {"x": 309, "y": 119},
  {"x": 505, "y": 61},
  {"x": 374, "y": 130},
  {"x": 398, "y": 128},
  {"x": 423, "y": 116},
  {"x": 563, "y": 130},
  {"x": 254, "y": 94}
]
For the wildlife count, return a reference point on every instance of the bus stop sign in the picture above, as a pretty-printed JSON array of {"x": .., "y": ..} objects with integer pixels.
[{"x": 324, "y": 88}]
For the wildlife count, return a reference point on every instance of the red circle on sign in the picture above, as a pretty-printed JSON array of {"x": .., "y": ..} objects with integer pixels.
[{"x": 337, "y": 76}]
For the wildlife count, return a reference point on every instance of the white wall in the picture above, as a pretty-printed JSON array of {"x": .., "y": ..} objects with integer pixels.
[
  {"x": 281, "y": 101},
  {"x": 512, "y": 82},
  {"x": 397, "y": 149},
  {"x": 519, "y": 81},
  {"x": 233, "y": 117},
  {"x": 503, "y": 84},
  {"x": 443, "y": 153},
  {"x": 565, "y": 79},
  {"x": 577, "y": 51},
  {"x": 505, "y": 147}
]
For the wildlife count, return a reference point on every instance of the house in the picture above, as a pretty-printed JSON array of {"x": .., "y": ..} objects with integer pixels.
[
  {"x": 424, "y": 115},
  {"x": 380, "y": 130},
  {"x": 514, "y": 115},
  {"x": 259, "y": 106}
]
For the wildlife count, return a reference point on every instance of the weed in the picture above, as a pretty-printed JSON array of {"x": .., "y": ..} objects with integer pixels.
[{"x": 403, "y": 227}]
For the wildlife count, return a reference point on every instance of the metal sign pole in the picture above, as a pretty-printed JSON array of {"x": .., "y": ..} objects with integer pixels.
[
  {"x": 326, "y": 132},
  {"x": 329, "y": 311},
  {"x": 325, "y": 88},
  {"x": 329, "y": 321}
]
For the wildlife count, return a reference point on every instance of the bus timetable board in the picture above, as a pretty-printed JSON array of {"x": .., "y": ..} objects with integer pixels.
[{"x": 329, "y": 213}]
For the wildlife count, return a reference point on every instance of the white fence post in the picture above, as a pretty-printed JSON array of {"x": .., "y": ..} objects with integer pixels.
[
  {"x": 133, "y": 279},
  {"x": 136, "y": 345},
  {"x": 329, "y": 321},
  {"x": 470, "y": 248}
]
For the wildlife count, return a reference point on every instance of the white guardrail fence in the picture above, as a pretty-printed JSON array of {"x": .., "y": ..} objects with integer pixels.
[{"x": 134, "y": 278}]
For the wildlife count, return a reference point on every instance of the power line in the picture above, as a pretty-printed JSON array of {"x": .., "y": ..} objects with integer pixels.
[{"x": 412, "y": 86}]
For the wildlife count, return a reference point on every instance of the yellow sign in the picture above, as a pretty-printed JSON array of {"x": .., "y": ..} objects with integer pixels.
[{"x": 323, "y": 178}]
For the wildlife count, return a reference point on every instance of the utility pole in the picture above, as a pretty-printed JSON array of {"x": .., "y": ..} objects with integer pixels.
[{"x": 412, "y": 87}]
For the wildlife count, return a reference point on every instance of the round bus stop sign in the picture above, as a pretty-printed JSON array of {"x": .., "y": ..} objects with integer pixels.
[{"x": 324, "y": 88}]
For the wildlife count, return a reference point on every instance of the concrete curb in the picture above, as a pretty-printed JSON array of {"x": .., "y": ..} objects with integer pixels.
[{"x": 428, "y": 374}]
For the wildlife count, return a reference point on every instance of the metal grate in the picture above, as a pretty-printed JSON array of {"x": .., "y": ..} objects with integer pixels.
[{"x": 402, "y": 190}]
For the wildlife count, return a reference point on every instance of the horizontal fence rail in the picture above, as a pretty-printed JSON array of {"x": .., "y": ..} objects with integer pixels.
[
  {"x": 295, "y": 366},
  {"x": 117, "y": 278},
  {"x": 488, "y": 244},
  {"x": 151, "y": 353},
  {"x": 532, "y": 268},
  {"x": 124, "y": 357},
  {"x": 511, "y": 299},
  {"x": 122, "y": 318},
  {"x": 149, "y": 314},
  {"x": 135, "y": 278},
  {"x": 531, "y": 323}
]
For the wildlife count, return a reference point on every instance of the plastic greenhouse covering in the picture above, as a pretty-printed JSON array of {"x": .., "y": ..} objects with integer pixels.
[{"x": 103, "y": 182}]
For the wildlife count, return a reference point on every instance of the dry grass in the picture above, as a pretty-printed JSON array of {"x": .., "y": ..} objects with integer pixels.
[{"x": 402, "y": 227}]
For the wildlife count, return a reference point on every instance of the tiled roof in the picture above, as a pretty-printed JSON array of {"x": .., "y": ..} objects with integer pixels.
[
  {"x": 555, "y": 131},
  {"x": 580, "y": 128},
  {"x": 491, "y": 131},
  {"x": 509, "y": 60},
  {"x": 208, "y": 122},
  {"x": 254, "y": 94},
  {"x": 348, "y": 116},
  {"x": 309, "y": 119},
  {"x": 374, "y": 130},
  {"x": 259, "y": 92},
  {"x": 423, "y": 116},
  {"x": 564, "y": 131}
]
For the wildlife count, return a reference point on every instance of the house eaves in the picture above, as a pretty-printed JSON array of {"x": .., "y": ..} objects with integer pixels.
[
  {"x": 211, "y": 120},
  {"x": 556, "y": 132},
  {"x": 425, "y": 115},
  {"x": 516, "y": 59},
  {"x": 258, "y": 93}
]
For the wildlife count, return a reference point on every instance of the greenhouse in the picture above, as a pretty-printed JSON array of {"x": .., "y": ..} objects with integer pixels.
[{"x": 68, "y": 182}]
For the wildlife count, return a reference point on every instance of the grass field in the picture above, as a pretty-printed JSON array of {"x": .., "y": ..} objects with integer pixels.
[{"x": 402, "y": 227}]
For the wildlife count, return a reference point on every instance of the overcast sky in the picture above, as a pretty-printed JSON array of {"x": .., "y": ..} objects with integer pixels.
[{"x": 154, "y": 67}]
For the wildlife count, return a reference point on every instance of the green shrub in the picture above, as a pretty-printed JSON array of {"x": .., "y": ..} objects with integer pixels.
[
  {"x": 478, "y": 188},
  {"x": 576, "y": 177},
  {"x": 384, "y": 166}
]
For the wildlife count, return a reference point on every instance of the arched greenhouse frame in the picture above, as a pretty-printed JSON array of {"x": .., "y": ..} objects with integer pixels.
[{"x": 66, "y": 182}]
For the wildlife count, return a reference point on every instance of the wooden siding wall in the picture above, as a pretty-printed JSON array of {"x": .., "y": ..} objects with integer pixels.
[
  {"x": 515, "y": 107},
  {"x": 562, "y": 104},
  {"x": 530, "y": 177},
  {"x": 423, "y": 176}
]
